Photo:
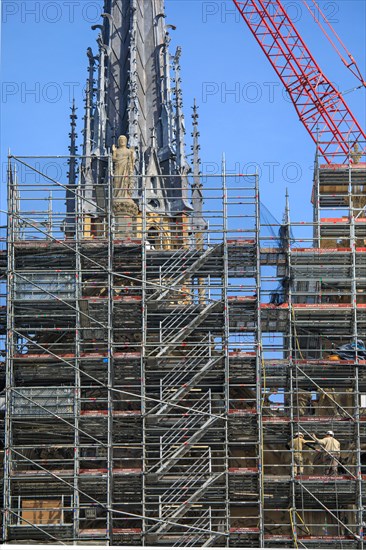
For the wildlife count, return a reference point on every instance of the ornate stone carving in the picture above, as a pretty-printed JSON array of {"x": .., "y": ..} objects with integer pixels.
[{"x": 125, "y": 207}]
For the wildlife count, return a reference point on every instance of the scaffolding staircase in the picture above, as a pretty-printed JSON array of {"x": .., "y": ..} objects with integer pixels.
[
  {"x": 176, "y": 385},
  {"x": 175, "y": 503},
  {"x": 176, "y": 329},
  {"x": 194, "y": 537},
  {"x": 177, "y": 441},
  {"x": 182, "y": 265}
]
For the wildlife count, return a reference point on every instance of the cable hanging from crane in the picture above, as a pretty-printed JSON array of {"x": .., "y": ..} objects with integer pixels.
[{"x": 352, "y": 64}]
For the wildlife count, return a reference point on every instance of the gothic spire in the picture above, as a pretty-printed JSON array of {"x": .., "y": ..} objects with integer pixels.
[
  {"x": 198, "y": 222},
  {"x": 69, "y": 224},
  {"x": 167, "y": 118},
  {"x": 89, "y": 95},
  {"x": 88, "y": 136},
  {"x": 134, "y": 95},
  {"x": 73, "y": 148},
  {"x": 196, "y": 146},
  {"x": 179, "y": 116},
  {"x": 100, "y": 114}
]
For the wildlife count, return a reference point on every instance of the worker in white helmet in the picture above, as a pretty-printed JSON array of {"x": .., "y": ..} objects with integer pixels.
[
  {"x": 330, "y": 449},
  {"x": 298, "y": 443}
]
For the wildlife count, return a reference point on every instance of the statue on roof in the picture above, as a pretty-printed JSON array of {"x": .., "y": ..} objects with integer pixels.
[{"x": 124, "y": 165}]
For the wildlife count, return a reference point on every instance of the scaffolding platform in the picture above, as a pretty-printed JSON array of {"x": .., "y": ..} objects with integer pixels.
[{"x": 313, "y": 542}]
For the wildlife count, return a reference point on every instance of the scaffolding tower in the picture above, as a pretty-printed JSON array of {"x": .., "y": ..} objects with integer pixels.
[
  {"x": 3, "y": 263},
  {"x": 316, "y": 318},
  {"x": 128, "y": 346},
  {"x": 158, "y": 370}
]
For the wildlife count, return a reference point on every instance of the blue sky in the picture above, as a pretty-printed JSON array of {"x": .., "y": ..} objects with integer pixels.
[{"x": 243, "y": 111}]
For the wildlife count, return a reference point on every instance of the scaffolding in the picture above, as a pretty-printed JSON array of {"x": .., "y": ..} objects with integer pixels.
[
  {"x": 316, "y": 319},
  {"x": 2, "y": 348},
  {"x": 128, "y": 337},
  {"x": 159, "y": 369}
]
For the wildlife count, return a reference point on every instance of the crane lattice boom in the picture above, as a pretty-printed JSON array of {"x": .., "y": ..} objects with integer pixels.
[{"x": 320, "y": 106}]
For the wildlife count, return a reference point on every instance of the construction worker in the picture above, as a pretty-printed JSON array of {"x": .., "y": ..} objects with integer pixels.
[
  {"x": 297, "y": 444},
  {"x": 330, "y": 452}
]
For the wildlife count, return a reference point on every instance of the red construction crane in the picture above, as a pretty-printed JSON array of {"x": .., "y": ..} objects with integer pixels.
[{"x": 321, "y": 108}]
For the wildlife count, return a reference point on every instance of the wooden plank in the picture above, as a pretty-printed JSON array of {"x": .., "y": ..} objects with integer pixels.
[{"x": 41, "y": 512}]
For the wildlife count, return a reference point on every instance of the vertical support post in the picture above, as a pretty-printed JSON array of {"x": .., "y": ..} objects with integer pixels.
[
  {"x": 144, "y": 350},
  {"x": 77, "y": 381},
  {"x": 9, "y": 382},
  {"x": 259, "y": 365},
  {"x": 226, "y": 336},
  {"x": 292, "y": 369},
  {"x": 50, "y": 220},
  {"x": 316, "y": 201},
  {"x": 110, "y": 232},
  {"x": 357, "y": 396}
]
